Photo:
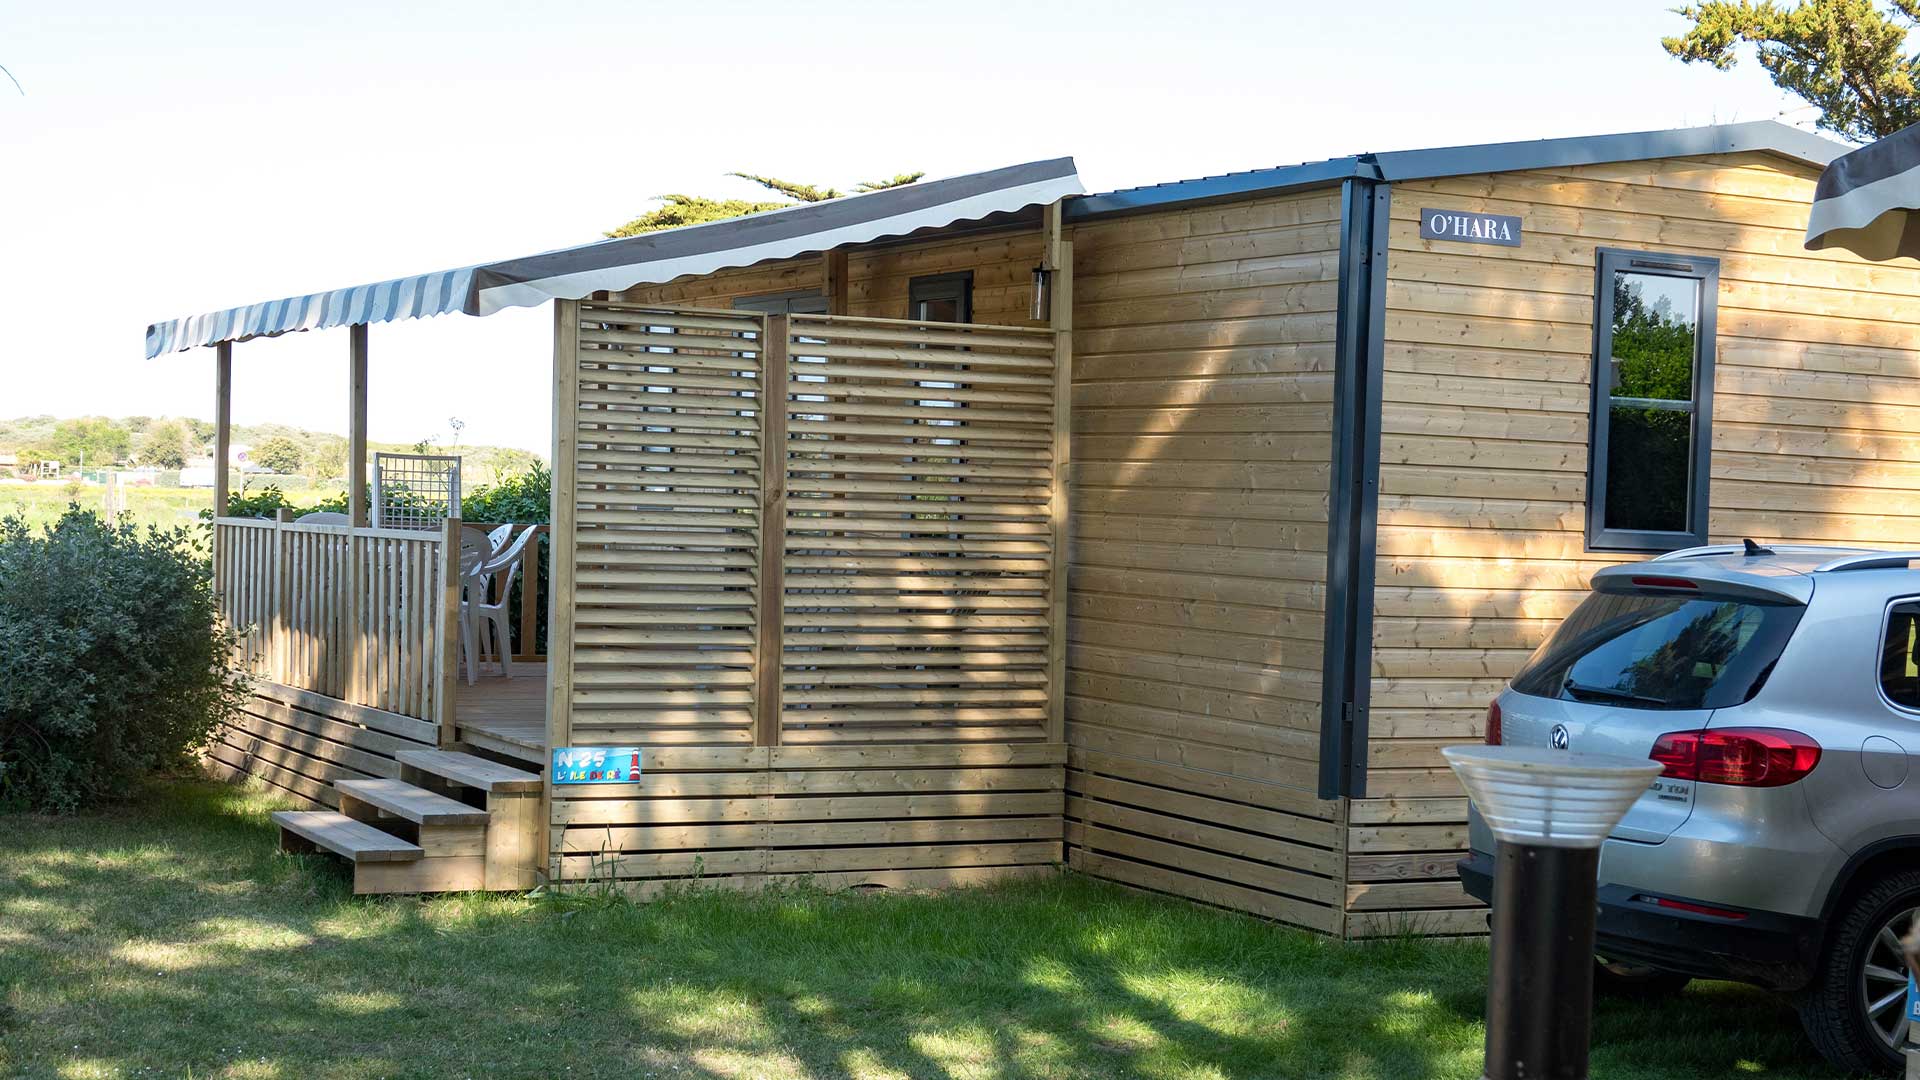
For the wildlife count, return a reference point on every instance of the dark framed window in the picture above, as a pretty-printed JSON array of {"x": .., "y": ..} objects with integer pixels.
[
  {"x": 941, "y": 298},
  {"x": 1653, "y": 348}
]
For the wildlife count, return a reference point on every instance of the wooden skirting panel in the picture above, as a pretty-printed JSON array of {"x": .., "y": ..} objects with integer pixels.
[
  {"x": 1401, "y": 872},
  {"x": 1262, "y": 848},
  {"x": 298, "y": 743},
  {"x": 906, "y": 816}
]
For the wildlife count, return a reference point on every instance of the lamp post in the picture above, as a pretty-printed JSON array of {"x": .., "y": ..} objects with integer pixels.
[{"x": 1550, "y": 811}]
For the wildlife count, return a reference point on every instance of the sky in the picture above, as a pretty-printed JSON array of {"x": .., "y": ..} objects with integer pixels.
[{"x": 171, "y": 159}]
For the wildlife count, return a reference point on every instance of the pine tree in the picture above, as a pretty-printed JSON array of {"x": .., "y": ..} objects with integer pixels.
[
  {"x": 699, "y": 209},
  {"x": 1846, "y": 58}
]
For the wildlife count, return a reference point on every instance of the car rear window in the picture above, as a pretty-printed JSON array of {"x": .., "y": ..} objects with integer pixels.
[{"x": 1647, "y": 651}]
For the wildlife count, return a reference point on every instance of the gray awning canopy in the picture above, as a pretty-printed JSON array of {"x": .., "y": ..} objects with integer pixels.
[
  {"x": 613, "y": 265},
  {"x": 1866, "y": 200}
]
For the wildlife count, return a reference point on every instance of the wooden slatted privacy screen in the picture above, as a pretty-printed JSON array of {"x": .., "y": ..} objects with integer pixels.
[
  {"x": 666, "y": 527},
  {"x": 918, "y": 547},
  {"x": 359, "y": 615},
  {"x": 830, "y": 533},
  {"x": 915, "y": 486}
]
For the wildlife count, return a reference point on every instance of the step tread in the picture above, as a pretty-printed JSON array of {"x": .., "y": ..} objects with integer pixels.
[
  {"x": 415, "y": 804},
  {"x": 476, "y": 772},
  {"x": 350, "y": 839}
]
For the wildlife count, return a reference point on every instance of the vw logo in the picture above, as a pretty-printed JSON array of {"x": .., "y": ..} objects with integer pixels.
[{"x": 1558, "y": 737}]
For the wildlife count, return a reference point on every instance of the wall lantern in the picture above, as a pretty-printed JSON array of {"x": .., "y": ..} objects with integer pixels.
[
  {"x": 1042, "y": 294},
  {"x": 1550, "y": 811}
]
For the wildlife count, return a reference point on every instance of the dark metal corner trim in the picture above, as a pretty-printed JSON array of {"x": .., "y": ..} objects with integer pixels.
[{"x": 1354, "y": 487}]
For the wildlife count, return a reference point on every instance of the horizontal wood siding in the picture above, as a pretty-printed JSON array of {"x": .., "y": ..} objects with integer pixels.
[
  {"x": 740, "y": 817},
  {"x": 1002, "y": 264},
  {"x": 1484, "y": 450},
  {"x": 298, "y": 743},
  {"x": 1203, "y": 382}
]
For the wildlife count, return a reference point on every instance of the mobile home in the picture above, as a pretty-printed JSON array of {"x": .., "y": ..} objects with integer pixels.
[{"x": 1167, "y": 533}]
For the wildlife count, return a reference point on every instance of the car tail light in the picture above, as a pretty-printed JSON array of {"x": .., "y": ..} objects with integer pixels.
[
  {"x": 1742, "y": 757},
  {"x": 1493, "y": 723}
]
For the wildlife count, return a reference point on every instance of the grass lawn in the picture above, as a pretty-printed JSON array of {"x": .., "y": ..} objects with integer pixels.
[
  {"x": 41, "y": 504},
  {"x": 171, "y": 939},
  {"x": 166, "y": 507}
]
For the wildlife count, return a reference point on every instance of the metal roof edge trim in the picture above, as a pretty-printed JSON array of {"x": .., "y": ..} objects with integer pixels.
[
  {"x": 1769, "y": 136},
  {"x": 1221, "y": 188},
  {"x": 1762, "y": 135}
]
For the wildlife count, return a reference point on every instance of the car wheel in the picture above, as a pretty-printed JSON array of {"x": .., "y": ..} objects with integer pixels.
[
  {"x": 1627, "y": 981},
  {"x": 1855, "y": 1008}
]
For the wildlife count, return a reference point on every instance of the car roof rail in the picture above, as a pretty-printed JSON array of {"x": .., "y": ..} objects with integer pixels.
[
  {"x": 1710, "y": 550},
  {"x": 1870, "y": 560}
]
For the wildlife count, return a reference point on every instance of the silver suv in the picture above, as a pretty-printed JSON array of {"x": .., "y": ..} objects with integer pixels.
[{"x": 1781, "y": 847}]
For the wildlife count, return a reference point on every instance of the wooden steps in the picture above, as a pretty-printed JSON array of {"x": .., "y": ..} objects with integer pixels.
[
  {"x": 403, "y": 800},
  {"x": 453, "y": 822},
  {"x": 469, "y": 770},
  {"x": 354, "y": 841}
]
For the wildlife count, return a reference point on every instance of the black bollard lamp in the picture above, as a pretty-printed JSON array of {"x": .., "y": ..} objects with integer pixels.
[{"x": 1549, "y": 810}]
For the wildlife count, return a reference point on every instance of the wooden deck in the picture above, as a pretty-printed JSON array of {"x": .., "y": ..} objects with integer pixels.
[{"x": 505, "y": 716}]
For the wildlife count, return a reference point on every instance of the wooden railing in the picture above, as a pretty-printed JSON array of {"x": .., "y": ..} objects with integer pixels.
[{"x": 367, "y": 616}]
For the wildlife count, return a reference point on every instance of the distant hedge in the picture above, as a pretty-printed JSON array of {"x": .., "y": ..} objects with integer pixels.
[{"x": 114, "y": 664}]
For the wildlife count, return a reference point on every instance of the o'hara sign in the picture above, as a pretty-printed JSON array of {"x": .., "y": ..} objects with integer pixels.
[{"x": 1470, "y": 228}]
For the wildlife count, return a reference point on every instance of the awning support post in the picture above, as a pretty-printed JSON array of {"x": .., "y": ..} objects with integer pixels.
[
  {"x": 357, "y": 424},
  {"x": 222, "y": 423},
  {"x": 1058, "y": 263}
]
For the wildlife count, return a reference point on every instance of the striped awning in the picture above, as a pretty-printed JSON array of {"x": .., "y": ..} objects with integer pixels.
[
  {"x": 612, "y": 265},
  {"x": 1866, "y": 200}
]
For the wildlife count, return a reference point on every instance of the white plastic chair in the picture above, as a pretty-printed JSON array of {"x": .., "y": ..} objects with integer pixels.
[
  {"x": 475, "y": 609},
  {"x": 476, "y": 550}
]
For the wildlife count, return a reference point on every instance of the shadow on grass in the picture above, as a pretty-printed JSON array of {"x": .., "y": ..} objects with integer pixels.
[{"x": 173, "y": 937}]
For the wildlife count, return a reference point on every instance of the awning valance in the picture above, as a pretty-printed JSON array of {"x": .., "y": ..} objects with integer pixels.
[
  {"x": 612, "y": 265},
  {"x": 1866, "y": 200}
]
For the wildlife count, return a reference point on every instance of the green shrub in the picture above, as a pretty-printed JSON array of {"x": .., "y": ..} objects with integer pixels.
[
  {"x": 269, "y": 498},
  {"x": 114, "y": 663}
]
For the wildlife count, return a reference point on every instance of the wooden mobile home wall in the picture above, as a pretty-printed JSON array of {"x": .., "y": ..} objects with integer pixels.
[
  {"x": 1202, "y": 403},
  {"x": 1484, "y": 428},
  {"x": 1203, "y": 388}
]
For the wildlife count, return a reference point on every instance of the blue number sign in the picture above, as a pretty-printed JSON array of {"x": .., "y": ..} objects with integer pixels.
[{"x": 596, "y": 764}]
